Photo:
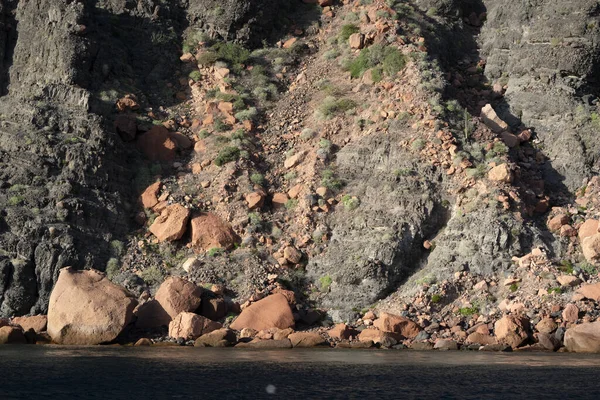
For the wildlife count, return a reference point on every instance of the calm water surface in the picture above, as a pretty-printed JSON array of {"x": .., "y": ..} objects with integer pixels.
[{"x": 52, "y": 372}]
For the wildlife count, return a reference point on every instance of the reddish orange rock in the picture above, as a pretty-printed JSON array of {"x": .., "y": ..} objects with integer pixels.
[
  {"x": 556, "y": 222},
  {"x": 36, "y": 322},
  {"x": 255, "y": 200},
  {"x": 342, "y": 332},
  {"x": 271, "y": 312},
  {"x": 171, "y": 224},
  {"x": 157, "y": 144},
  {"x": 209, "y": 231},
  {"x": 150, "y": 195},
  {"x": 191, "y": 326},
  {"x": 279, "y": 200},
  {"x": 394, "y": 323},
  {"x": 176, "y": 295},
  {"x": 588, "y": 228}
]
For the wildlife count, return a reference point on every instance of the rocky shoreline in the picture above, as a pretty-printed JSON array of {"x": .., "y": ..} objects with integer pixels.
[{"x": 87, "y": 309}]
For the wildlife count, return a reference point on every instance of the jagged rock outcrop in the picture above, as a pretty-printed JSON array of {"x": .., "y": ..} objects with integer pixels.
[
  {"x": 381, "y": 242},
  {"x": 546, "y": 52},
  {"x": 66, "y": 177}
]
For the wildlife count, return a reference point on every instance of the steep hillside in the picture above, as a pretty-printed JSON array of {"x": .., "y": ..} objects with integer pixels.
[{"x": 436, "y": 158}]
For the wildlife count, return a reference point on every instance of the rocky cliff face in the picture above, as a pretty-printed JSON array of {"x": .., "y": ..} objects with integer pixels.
[
  {"x": 416, "y": 204},
  {"x": 66, "y": 178},
  {"x": 547, "y": 54}
]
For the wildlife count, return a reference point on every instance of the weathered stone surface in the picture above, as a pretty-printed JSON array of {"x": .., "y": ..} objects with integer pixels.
[
  {"x": 279, "y": 200},
  {"x": 587, "y": 229},
  {"x": 547, "y": 341},
  {"x": 509, "y": 139},
  {"x": 214, "y": 309},
  {"x": 479, "y": 338},
  {"x": 294, "y": 160},
  {"x": 591, "y": 291},
  {"x": 151, "y": 315},
  {"x": 171, "y": 224},
  {"x": 568, "y": 280},
  {"x": 271, "y": 312},
  {"x": 255, "y": 200},
  {"x": 492, "y": 120},
  {"x": 86, "y": 308},
  {"x": 546, "y": 325},
  {"x": 386, "y": 339},
  {"x": 342, "y": 332},
  {"x": 356, "y": 41},
  {"x": 157, "y": 145},
  {"x": 126, "y": 127},
  {"x": 591, "y": 248},
  {"x": 512, "y": 330},
  {"x": 209, "y": 231},
  {"x": 182, "y": 141},
  {"x": 292, "y": 254},
  {"x": 556, "y": 222},
  {"x": 218, "y": 338},
  {"x": 36, "y": 322},
  {"x": 143, "y": 342},
  {"x": 150, "y": 196},
  {"x": 445, "y": 344},
  {"x": 12, "y": 335},
  {"x": 394, "y": 323},
  {"x": 306, "y": 339},
  {"x": 501, "y": 173},
  {"x": 191, "y": 326},
  {"x": 176, "y": 295},
  {"x": 570, "y": 313},
  {"x": 584, "y": 338}
]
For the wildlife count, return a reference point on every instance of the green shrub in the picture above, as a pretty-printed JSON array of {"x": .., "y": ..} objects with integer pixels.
[
  {"x": 231, "y": 53},
  {"x": 566, "y": 266},
  {"x": 238, "y": 134},
  {"x": 257, "y": 179},
  {"x": 152, "y": 275},
  {"x": 112, "y": 268},
  {"x": 350, "y": 203},
  {"x": 291, "y": 204},
  {"x": 290, "y": 176},
  {"x": 221, "y": 140},
  {"x": 330, "y": 181},
  {"x": 215, "y": 252},
  {"x": 17, "y": 188},
  {"x": 468, "y": 311},
  {"x": 376, "y": 74},
  {"x": 325, "y": 144},
  {"x": 555, "y": 290},
  {"x": 15, "y": 200},
  {"x": 436, "y": 298},
  {"x": 247, "y": 115},
  {"x": 195, "y": 76},
  {"x": 418, "y": 144},
  {"x": 226, "y": 155},
  {"x": 514, "y": 287},
  {"x": 325, "y": 282},
  {"x": 117, "y": 248},
  {"x": 388, "y": 58},
  {"x": 347, "y": 31},
  {"x": 588, "y": 268},
  {"x": 207, "y": 58},
  {"x": 477, "y": 172},
  {"x": 332, "y": 106},
  {"x": 204, "y": 134},
  {"x": 221, "y": 126}
]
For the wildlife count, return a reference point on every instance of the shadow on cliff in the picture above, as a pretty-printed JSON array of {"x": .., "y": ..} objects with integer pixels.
[
  {"x": 455, "y": 44},
  {"x": 8, "y": 41}
]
